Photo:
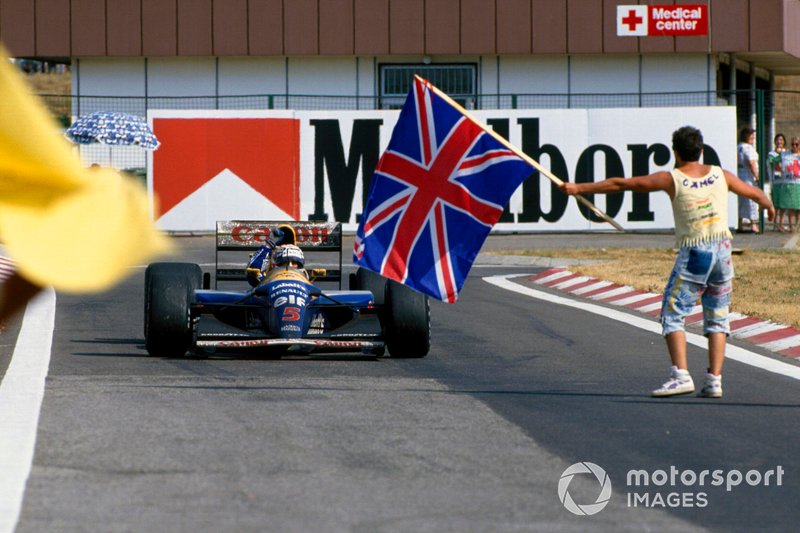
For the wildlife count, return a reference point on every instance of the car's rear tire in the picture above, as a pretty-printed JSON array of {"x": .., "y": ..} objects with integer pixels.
[
  {"x": 407, "y": 321},
  {"x": 168, "y": 293},
  {"x": 367, "y": 280}
]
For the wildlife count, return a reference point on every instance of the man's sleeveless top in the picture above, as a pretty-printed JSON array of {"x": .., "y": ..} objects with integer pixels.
[{"x": 700, "y": 207}]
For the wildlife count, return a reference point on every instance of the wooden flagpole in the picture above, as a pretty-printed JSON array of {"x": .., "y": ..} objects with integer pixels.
[{"x": 531, "y": 161}]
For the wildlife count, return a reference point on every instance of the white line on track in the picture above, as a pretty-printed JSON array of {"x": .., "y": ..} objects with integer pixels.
[
  {"x": 21, "y": 393},
  {"x": 731, "y": 352}
]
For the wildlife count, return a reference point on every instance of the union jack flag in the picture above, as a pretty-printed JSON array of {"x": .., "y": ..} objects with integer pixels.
[{"x": 436, "y": 192}]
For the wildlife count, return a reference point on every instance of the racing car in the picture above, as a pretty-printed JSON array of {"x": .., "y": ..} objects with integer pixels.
[{"x": 293, "y": 311}]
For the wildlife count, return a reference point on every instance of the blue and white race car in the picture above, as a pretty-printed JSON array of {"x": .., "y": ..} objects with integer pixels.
[{"x": 286, "y": 310}]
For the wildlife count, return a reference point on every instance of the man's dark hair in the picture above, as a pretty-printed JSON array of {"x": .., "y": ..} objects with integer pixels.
[{"x": 688, "y": 143}]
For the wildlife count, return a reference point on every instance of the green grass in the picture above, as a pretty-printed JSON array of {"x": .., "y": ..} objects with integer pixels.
[{"x": 767, "y": 283}]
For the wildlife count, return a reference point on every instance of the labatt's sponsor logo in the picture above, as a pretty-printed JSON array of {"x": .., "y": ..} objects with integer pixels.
[{"x": 677, "y": 19}]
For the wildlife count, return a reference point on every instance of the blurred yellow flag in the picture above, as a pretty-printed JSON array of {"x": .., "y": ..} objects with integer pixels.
[{"x": 66, "y": 226}]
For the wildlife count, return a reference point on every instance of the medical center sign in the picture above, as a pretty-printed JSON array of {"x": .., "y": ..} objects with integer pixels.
[{"x": 653, "y": 20}]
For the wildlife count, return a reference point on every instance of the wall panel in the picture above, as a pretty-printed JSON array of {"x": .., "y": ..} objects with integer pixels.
[
  {"x": 407, "y": 27},
  {"x": 17, "y": 27},
  {"x": 124, "y": 34},
  {"x": 442, "y": 27},
  {"x": 52, "y": 28},
  {"x": 513, "y": 26},
  {"x": 194, "y": 28},
  {"x": 265, "y": 27},
  {"x": 371, "y": 21},
  {"x": 791, "y": 38},
  {"x": 549, "y": 26},
  {"x": 729, "y": 27},
  {"x": 766, "y": 25},
  {"x": 159, "y": 27},
  {"x": 301, "y": 27},
  {"x": 584, "y": 30},
  {"x": 478, "y": 28},
  {"x": 229, "y": 24},
  {"x": 88, "y": 27},
  {"x": 336, "y": 27}
]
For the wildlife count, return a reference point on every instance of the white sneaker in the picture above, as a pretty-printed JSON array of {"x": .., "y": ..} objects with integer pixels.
[
  {"x": 712, "y": 387},
  {"x": 680, "y": 382}
]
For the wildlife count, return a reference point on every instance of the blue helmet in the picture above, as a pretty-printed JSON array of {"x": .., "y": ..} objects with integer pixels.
[{"x": 288, "y": 253}]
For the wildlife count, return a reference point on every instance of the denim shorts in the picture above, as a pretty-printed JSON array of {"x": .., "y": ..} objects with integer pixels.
[{"x": 705, "y": 272}]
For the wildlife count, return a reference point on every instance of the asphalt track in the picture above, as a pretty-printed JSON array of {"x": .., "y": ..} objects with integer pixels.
[{"x": 475, "y": 437}]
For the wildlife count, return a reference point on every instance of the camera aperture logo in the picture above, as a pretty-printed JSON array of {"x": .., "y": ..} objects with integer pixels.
[
  {"x": 587, "y": 509},
  {"x": 662, "y": 488}
]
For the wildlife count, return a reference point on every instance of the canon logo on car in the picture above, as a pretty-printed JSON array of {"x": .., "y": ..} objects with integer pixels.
[{"x": 254, "y": 234}]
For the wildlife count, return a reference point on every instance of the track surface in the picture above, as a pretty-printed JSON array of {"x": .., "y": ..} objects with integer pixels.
[{"x": 472, "y": 438}]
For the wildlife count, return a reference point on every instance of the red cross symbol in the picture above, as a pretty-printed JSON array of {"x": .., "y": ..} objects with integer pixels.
[
  {"x": 794, "y": 168},
  {"x": 632, "y": 20}
]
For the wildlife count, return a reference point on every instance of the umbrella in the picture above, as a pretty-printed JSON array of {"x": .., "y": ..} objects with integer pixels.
[{"x": 112, "y": 128}]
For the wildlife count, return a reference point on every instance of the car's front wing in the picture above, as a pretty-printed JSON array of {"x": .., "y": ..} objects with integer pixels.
[{"x": 374, "y": 347}]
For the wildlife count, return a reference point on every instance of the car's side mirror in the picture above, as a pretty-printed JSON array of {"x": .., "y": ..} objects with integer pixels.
[{"x": 315, "y": 273}]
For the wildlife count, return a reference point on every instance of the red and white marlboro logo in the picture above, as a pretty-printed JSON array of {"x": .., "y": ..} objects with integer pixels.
[
  {"x": 214, "y": 168},
  {"x": 650, "y": 20}
]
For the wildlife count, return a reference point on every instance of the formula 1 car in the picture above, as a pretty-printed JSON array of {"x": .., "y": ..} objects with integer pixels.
[{"x": 289, "y": 313}]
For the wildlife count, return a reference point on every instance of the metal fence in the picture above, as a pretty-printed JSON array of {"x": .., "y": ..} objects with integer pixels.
[
  {"x": 65, "y": 105},
  {"x": 753, "y": 107}
]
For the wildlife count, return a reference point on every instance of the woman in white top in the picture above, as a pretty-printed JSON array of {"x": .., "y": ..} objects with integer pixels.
[{"x": 747, "y": 171}]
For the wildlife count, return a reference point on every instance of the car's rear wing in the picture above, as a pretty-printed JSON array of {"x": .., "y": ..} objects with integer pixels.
[{"x": 249, "y": 235}]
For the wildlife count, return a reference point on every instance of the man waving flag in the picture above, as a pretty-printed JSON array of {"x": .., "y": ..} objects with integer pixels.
[{"x": 437, "y": 191}]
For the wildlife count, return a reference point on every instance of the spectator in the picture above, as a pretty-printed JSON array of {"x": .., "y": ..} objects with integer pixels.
[
  {"x": 790, "y": 195},
  {"x": 703, "y": 268},
  {"x": 748, "y": 173},
  {"x": 776, "y": 185}
]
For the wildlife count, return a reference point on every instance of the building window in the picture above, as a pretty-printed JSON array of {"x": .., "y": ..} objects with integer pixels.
[{"x": 458, "y": 81}]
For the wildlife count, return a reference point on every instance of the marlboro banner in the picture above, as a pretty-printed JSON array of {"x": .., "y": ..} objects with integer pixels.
[
  {"x": 662, "y": 20},
  {"x": 318, "y": 165}
]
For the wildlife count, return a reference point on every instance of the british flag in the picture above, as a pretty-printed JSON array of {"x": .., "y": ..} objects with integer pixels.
[{"x": 436, "y": 192}]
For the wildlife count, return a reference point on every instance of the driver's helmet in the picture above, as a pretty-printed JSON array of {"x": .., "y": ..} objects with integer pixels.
[{"x": 288, "y": 254}]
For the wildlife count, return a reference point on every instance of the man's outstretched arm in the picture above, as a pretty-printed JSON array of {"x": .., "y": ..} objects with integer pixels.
[
  {"x": 737, "y": 186},
  {"x": 660, "y": 181}
]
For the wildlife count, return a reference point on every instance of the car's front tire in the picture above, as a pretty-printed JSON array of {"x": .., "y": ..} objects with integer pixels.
[
  {"x": 371, "y": 281},
  {"x": 407, "y": 321},
  {"x": 169, "y": 291}
]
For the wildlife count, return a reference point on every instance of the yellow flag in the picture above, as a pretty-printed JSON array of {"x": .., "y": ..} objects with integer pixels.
[{"x": 66, "y": 226}]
